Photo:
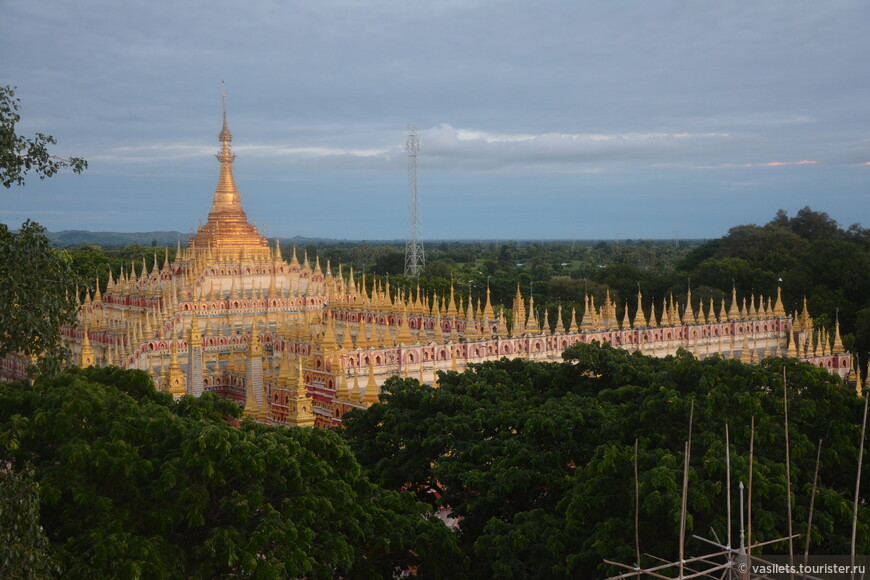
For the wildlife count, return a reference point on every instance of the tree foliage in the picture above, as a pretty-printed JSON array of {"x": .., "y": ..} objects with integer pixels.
[
  {"x": 37, "y": 294},
  {"x": 814, "y": 257},
  {"x": 537, "y": 459},
  {"x": 36, "y": 283},
  {"x": 20, "y": 155},
  {"x": 136, "y": 485},
  {"x": 24, "y": 550}
]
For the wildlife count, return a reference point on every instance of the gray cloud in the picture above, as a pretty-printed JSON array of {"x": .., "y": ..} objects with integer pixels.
[{"x": 616, "y": 99}]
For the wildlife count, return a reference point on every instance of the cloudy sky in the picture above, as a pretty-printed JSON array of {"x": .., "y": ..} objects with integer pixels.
[{"x": 538, "y": 120}]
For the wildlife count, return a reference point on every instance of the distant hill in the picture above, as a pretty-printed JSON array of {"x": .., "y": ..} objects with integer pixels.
[
  {"x": 67, "y": 238},
  {"x": 72, "y": 238}
]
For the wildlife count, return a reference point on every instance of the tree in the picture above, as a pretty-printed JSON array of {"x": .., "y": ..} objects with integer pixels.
[
  {"x": 23, "y": 544},
  {"x": 20, "y": 155},
  {"x": 536, "y": 459},
  {"x": 36, "y": 284},
  {"x": 134, "y": 484},
  {"x": 37, "y": 294}
]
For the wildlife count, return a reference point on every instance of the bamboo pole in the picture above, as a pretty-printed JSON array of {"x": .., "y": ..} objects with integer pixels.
[
  {"x": 663, "y": 566},
  {"x": 685, "y": 498},
  {"x": 812, "y": 505},
  {"x": 636, "y": 509},
  {"x": 858, "y": 485},
  {"x": 787, "y": 473},
  {"x": 683, "y": 506},
  {"x": 728, "y": 478},
  {"x": 749, "y": 499}
]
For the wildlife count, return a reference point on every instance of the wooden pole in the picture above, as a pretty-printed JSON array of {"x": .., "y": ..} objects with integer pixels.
[
  {"x": 749, "y": 499},
  {"x": 787, "y": 473},
  {"x": 685, "y": 498},
  {"x": 636, "y": 509},
  {"x": 728, "y": 479},
  {"x": 683, "y": 507},
  {"x": 812, "y": 505},
  {"x": 858, "y": 485}
]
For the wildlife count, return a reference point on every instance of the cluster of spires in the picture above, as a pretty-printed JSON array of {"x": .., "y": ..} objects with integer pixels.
[
  {"x": 157, "y": 297},
  {"x": 306, "y": 307}
]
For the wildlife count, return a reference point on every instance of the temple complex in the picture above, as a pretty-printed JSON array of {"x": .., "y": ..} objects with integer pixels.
[{"x": 300, "y": 343}]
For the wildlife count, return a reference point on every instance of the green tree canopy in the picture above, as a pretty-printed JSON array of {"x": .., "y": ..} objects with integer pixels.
[
  {"x": 37, "y": 294},
  {"x": 20, "y": 155},
  {"x": 810, "y": 252},
  {"x": 537, "y": 459},
  {"x": 36, "y": 284},
  {"x": 136, "y": 485}
]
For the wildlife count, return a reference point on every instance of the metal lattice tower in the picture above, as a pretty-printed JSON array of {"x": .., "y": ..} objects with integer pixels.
[{"x": 414, "y": 257}]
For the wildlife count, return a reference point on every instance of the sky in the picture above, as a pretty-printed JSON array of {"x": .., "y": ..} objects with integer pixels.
[{"x": 537, "y": 119}]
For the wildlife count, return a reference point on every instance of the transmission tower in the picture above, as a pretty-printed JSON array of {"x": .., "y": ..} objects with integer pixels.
[{"x": 415, "y": 259}]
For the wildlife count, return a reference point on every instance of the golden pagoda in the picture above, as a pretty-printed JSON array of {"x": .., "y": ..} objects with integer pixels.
[
  {"x": 270, "y": 328},
  {"x": 227, "y": 231}
]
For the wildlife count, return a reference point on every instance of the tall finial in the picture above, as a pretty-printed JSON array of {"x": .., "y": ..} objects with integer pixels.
[
  {"x": 224, "y": 99},
  {"x": 225, "y": 136}
]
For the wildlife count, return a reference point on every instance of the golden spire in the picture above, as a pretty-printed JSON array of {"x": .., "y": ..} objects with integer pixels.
[
  {"x": 356, "y": 387},
  {"x": 689, "y": 314},
  {"x": 778, "y": 310},
  {"x": 532, "y": 326},
  {"x": 329, "y": 342},
  {"x": 372, "y": 390},
  {"x": 227, "y": 225},
  {"x": 403, "y": 335},
  {"x": 639, "y": 317},
  {"x": 346, "y": 341},
  {"x": 86, "y": 356},
  {"x": 195, "y": 334},
  {"x": 734, "y": 311},
  {"x": 255, "y": 348},
  {"x": 488, "y": 313},
  {"x": 483, "y": 329},
  {"x": 97, "y": 295},
  {"x": 451, "y": 308},
  {"x": 560, "y": 327},
  {"x": 174, "y": 374},
  {"x": 362, "y": 339},
  {"x": 251, "y": 407},
  {"x": 838, "y": 342},
  {"x": 586, "y": 321},
  {"x": 342, "y": 393},
  {"x": 469, "y": 321},
  {"x": 519, "y": 314}
]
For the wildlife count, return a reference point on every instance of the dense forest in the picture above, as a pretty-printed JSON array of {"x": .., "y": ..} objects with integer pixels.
[
  {"x": 810, "y": 253},
  {"x": 536, "y": 459},
  {"x": 106, "y": 478}
]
